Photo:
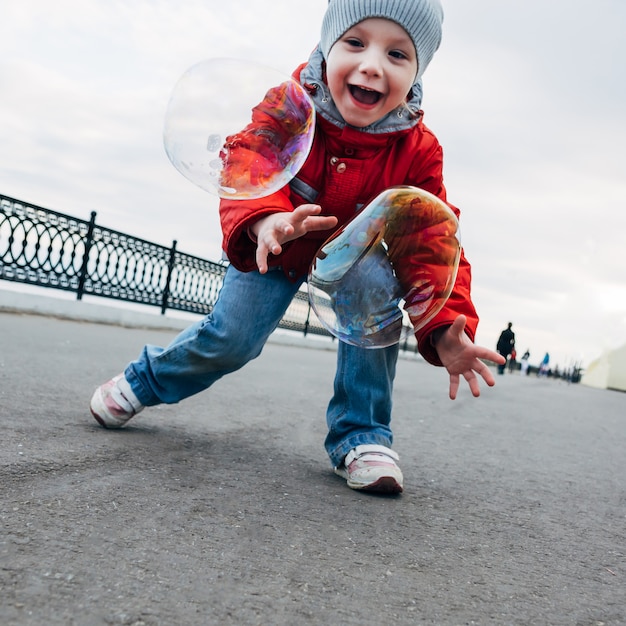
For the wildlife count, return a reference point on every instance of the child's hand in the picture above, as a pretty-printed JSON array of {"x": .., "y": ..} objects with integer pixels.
[
  {"x": 274, "y": 230},
  {"x": 462, "y": 358}
]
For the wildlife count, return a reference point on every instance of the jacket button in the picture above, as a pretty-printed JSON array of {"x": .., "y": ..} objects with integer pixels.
[
  {"x": 334, "y": 160},
  {"x": 341, "y": 168},
  {"x": 292, "y": 273}
]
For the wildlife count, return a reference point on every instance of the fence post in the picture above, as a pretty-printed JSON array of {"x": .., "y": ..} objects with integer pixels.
[
  {"x": 83, "y": 268},
  {"x": 170, "y": 267},
  {"x": 306, "y": 322}
]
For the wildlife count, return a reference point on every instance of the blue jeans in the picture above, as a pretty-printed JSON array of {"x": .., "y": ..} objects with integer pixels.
[{"x": 229, "y": 337}]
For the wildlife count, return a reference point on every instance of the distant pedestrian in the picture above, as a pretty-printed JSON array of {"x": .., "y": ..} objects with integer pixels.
[
  {"x": 524, "y": 363},
  {"x": 544, "y": 366},
  {"x": 505, "y": 345}
]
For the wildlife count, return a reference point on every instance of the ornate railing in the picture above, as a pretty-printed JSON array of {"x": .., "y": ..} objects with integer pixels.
[{"x": 42, "y": 247}]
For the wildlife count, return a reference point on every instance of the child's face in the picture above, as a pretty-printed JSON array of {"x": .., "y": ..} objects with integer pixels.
[{"x": 370, "y": 70}]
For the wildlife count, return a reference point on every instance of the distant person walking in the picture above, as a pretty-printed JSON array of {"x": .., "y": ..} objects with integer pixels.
[
  {"x": 525, "y": 363},
  {"x": 544, "y": 368},
  {"x": 505, "y": 345}
]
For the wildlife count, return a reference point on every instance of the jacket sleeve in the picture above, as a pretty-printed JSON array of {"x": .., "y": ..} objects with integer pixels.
[{"x": 428, "y": 175}]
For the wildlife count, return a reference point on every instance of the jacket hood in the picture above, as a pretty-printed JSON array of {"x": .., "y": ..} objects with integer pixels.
[{"x": 401, "y": 118}]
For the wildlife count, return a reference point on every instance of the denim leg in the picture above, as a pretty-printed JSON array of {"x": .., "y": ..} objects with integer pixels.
[
  {"x": 360, "y": 410},
  {"x": 248, "y": 309}
]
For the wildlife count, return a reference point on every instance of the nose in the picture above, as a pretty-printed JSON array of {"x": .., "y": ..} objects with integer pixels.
[{"x": 371, "y": 62}]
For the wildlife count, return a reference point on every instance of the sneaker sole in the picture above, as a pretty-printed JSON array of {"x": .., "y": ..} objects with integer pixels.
[
  {"x": 98, "y": 419},
  {"x": 385, "y": 484}
]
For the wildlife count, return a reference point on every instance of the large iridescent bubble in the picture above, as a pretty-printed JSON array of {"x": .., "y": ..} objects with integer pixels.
[
  {"x": 238, "y": 129},
  {"x": 395, "y": 261}
]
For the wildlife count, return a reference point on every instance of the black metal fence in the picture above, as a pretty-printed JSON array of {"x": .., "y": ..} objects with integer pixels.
[{"x": 49, "y": 249}]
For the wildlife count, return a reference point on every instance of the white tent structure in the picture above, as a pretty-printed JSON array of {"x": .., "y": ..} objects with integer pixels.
[{"x": 608, "y": 371}]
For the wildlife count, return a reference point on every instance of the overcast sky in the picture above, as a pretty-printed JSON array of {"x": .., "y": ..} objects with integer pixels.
[{"x": 528, "y": 99}]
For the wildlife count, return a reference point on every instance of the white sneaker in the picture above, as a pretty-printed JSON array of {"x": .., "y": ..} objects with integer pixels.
[
  {"x": 372, "y": 468},
  {"x": 114, "y": 403}
]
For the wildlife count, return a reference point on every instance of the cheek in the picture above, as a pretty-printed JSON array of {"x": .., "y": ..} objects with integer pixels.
[
  {"x": 404, "y": 85},
  {"x": 335, "y": 83},
  {"x": 336, "y": 72},
  {"x": 405, "y": 79}
]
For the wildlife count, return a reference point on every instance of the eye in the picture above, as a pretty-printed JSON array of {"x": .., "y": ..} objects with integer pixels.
[
  {"x": 354, "y": 42},
  {"x": 397, "y": 54}
]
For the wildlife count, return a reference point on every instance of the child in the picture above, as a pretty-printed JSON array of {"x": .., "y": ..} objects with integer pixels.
[{"x": 364, "y": 78}]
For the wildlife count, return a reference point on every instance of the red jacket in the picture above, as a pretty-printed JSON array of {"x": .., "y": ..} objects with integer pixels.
[{"x": 346, "y": 168}]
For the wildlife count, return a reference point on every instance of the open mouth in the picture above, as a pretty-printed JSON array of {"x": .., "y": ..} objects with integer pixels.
[{"x": 365, "y": 96}]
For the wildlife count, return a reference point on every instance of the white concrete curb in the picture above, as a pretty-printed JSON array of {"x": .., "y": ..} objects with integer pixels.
[{"x": 134, "y": 316}]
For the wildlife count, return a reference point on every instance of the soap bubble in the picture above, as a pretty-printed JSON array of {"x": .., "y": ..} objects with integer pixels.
[
  {"x": 395, "y": 260},
  {"x": 209, "y": 138}
]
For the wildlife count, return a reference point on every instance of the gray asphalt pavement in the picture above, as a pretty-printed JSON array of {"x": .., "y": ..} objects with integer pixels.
[{"x": 223, "y": 509}]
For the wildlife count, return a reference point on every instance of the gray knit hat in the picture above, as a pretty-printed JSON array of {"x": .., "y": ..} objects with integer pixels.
[{"x": 422, "y": 20}]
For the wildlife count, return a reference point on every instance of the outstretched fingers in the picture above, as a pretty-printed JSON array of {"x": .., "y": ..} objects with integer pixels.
[
  {"x": 308, "y": 218},
  {"x": 472, "y": 381},
  {"x": 454, "y": 385},
  {"x": 471, "y": 374},
  {"x": 269, "y": 242},
  {"x": 487, "y": 374},
  {"x": 276, "y": 229}
]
